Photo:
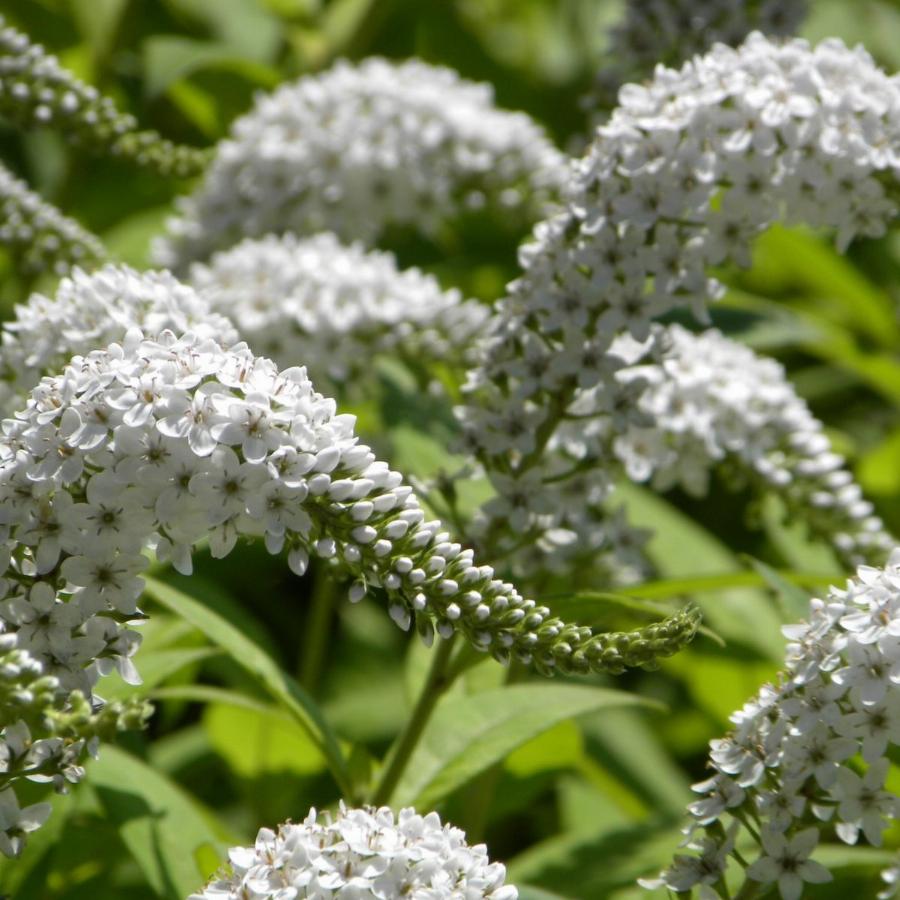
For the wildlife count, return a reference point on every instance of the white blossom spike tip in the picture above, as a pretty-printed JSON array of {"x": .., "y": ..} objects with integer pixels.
[{"x": 160, "y": 441}]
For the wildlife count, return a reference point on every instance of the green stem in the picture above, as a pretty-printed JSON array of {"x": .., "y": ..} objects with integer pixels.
[
  {"x": 480, "y": 794},
  {"x": 316, "y": 635},
  {"x": 436, "y": 683},
  {"x": 750, "y": 889}
]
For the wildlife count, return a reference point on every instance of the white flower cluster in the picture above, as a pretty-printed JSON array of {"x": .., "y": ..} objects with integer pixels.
[
  {"x": 159, "y": 443},
  {"x": 36, "y": 90},
  {"x": 90, "y": 311},
  {"x": 163, "y": 442},
  {"x": 711, "y": 402},
  {"x": 668, "y": 32},
  {"x": 362, "y": 853},
  {"x": 685, "y": 174},
  {"x": 361, "y": 147},
  {"x": 41, "y": 237},
  {"x": 811, "y": 751},
  {"x": 331, "y": 307}
]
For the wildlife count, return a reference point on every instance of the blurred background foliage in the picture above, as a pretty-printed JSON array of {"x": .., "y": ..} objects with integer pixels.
[{"x": 578, "y": 792}]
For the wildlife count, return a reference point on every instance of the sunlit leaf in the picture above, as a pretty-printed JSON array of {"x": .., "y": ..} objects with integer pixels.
[{"x": 468, "y": 734}]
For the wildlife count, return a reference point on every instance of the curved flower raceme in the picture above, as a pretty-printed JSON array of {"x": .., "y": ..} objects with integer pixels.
[
  {"x": 41, "y": 236},
  {"x": 361, "y": 147},
  {"x": 159, "y": 443},
  {"x": 330, "y": 306},
  {"x": 702, "y": 403},
  {"x": 713, "y": 403},
  {"x": 668, "y": 32},
  {"x": 36, "y": 90},
  {"x": 90, "y": 311},
  {"x": 686, "y": 173},
  {"x": 811, "y": 751},
  {"x": 362, "y": 853}
]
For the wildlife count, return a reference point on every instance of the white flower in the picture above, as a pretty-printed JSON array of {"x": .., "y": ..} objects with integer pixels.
[
  {"x": 332, "y": 306},
  {"x": 90, "y": 311},
  {"x": 658, "y": 199},
  {"x": 795, "y": 747},
  {"x": 361, "y": 853},
  {"x": 876, "y": 724},
  {"x": 16, "y": 822},
  {"x": 107, "y": 580},
  {"x": 360, "y": 147},
  {"x": 787, "y": 862},
  {"x": 863, "y": 804}
]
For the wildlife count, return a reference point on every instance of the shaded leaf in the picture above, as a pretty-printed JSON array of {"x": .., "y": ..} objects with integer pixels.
[
  {"x": 281, "y": 686},
  {"x": 164, "y": 828}
]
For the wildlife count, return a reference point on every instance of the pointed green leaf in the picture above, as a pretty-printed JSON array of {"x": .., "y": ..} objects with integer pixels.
[
  {"x": 468, "y": 734},
  {"x": 793, "y": 600},
  {"x": 164, "y": 828},
  {"x": 281, "y": 686}
]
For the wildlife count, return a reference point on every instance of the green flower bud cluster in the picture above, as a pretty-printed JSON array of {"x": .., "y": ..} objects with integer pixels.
[
  {"x": 36, "y": 90},
  {"x": 46, "y": 734},
  {"x": 43, "y": 238},
  {"x": 433, "y": 581}
]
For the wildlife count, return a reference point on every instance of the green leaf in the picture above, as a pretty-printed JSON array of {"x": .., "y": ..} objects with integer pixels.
[
  {"x": 791, "y": 538},
  {"x": 527, "y": 892},
  {"x": 166, "y": 831},
  {"x": 561, "y": 747},
  {"x": 98, "y": 21},
  {"x": 838, "y": 289},
  {"x": 793, "y": 600},
  {"x": 585, "y": 865},
  {"x": 681, "y": 548},
  {"x": 156, "y": 667},
  {"x": 170, "y": 58},
  {"x": 258, "y": 742},
  {"x": 250, "y": 657},
  {"x": 878, "y": 470},
  {"x": 467, "y": 735},
  {"x": 625, "y": 743},
  {"x": 129, "y": 239},
  {"x": 245, "y": 26},
  {"x": 672, "y": 587},
  {"x": 418, "y": 453},
  {"x": 207, "y": 693}
]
